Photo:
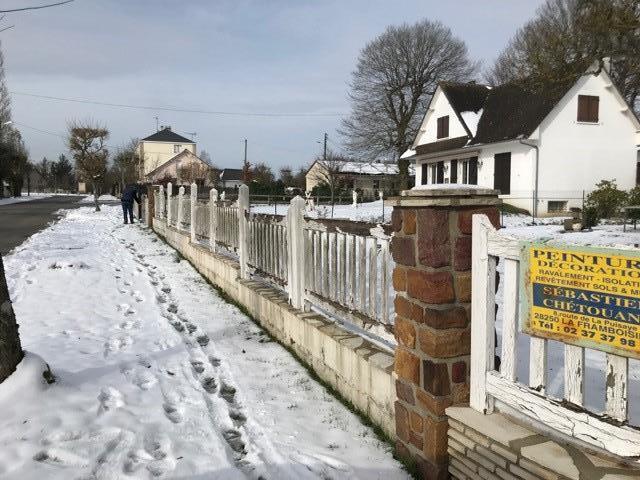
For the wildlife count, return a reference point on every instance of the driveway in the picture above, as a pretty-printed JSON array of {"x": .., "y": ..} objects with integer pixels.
[{"x": 18, "y": 221}]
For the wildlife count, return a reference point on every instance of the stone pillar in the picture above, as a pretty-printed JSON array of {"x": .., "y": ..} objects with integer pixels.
[{"x": 431, "y": 247}]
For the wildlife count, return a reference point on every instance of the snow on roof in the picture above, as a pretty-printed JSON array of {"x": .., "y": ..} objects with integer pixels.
[
  {"x": 409, "y": 153},
  {"x": 471, "y": 119},
  {"x": 372, "y": 168}
]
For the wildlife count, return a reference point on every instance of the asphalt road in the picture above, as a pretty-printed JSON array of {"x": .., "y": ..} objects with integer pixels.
[{"x": 18, "y": 221}]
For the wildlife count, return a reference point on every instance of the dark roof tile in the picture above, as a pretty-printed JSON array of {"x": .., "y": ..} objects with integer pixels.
[{"x": 166, "y": 135}]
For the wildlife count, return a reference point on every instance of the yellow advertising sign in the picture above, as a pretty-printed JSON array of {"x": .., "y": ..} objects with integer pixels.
[{"x": 587, "y": 297}]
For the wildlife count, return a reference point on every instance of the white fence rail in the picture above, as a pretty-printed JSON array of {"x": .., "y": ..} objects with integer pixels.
[
  {"x": 339, "y": 266},
  {"x": 492, "y": 387}
]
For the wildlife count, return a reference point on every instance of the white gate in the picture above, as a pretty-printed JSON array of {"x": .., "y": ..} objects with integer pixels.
[{"x": 568, "y": 416}]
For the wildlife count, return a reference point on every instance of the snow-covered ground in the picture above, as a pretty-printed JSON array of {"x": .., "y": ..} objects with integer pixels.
[
  {"x": 363, "y": 212},
  {"x": 25, "y": 198},
  {"x": 89, "y": 198},
  {"x": 157, "y": 376}
]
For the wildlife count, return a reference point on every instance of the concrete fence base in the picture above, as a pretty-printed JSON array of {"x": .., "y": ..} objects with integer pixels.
[{"x": 359, "y": 370}]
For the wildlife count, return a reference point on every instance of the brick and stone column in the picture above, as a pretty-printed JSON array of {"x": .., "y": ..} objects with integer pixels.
[{"x": 431, "y": 247}]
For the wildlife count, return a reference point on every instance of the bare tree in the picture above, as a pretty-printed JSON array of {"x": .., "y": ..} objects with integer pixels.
[
  {"x": 566, "y": 37},
  {"x": 396, "y": 75},
  {"x": 10, "y": 348},
  {"x": 330, "y": 173},
  {"x": 194, "y": 172},
  {"x": 127, "y": 163},
  {"x": 86, "y": 142}
]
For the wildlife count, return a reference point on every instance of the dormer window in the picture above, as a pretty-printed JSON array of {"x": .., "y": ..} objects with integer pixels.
[
  {"x": 588, "y": 106},
  {"x": 443, "y": 127},
  {"x": 177, "y": 148}
]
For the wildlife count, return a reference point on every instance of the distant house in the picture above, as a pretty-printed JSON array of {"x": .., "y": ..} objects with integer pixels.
[
  {"x": 168, "y": 156},
  {"x": 540, "y": 150},
  {"x": 184, "y": 168},
  {"x": 366, "y": 177},
  {"x": 231, "y": 178},
  {"x": 160, "y": 147}
]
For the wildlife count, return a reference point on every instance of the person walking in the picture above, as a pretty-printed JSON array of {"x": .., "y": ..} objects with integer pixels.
[{"x": 128, "y": 196}]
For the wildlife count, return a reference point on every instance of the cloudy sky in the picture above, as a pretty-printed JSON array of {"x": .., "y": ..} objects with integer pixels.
[{"x": 246, "y": 56}]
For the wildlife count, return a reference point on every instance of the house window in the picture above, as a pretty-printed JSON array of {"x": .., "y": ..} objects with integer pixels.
[
  {"x": 440, "y": 172},
  {"x": 588, "y": 108},
  {"x": 556, "y": 206},
  {"x": 453, "y": 175},
  {"x": 177, "y": 148},
  {"x": 423, "y": 176},
  {"x": 443, "y": 127},
  {"x": 473, "y": 171},
  {"x": 502, "y": 172},
  {"x": 432, "y": 173}
]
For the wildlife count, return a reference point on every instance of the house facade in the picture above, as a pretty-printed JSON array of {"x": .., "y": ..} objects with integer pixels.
[
  {"x": 159, "y": 148},
  {"x": 184, "y": 168},
  {"x": 543, "y": 152},
  {"x": 368, "y": 178},
  {"x": 230, "y": 178}
]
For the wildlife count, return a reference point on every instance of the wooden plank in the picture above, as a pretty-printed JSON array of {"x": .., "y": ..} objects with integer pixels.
[
  {"x": 574, "y": 374},
  {"x": 502, "y": 246},
  {"x": 538, "y": 357},
  {"x": 333, "y": 278},
  {"x": 384, "y": 278},
  {"x": 373, "y": 277},
  {"x": 325, "y": 264},
  {"x": 343, "y": 269},
  {"x": 352, "y": 272},
  {"x": 483, "y": 278},
  {"x": 318, "y": 263},
  {"x": 617, "y": 382},
  {"x": 362, "y": 275},
  {"x": 509, "y": 320},
  {"x": 623, "y": 441}
]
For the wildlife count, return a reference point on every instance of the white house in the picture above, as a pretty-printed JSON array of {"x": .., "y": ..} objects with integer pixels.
[
  {"x": 231, "y": 178},
  {"x": 367, "y": 177},
  {"x": 542, "y": 151},
  {"x": 161, "y": 147}
]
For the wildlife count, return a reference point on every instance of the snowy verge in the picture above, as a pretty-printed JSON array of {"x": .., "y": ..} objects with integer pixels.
[
  {"x": 27, "y": 198},
  {"x": 26, "y": 382}
]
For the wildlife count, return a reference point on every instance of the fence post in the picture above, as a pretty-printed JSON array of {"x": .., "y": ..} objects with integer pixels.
[
  {"x": 213, "y": 218},
  {"x": 243, "y": 231},
  {"x": 432, "y": 250},
  {"x": 194, "y": 199},
  {"x": 180, "y": 215},
  {"x": 169, "y": 200},
  {"x": 161, "y": 202},
  {"x": 296, "y": 253}
]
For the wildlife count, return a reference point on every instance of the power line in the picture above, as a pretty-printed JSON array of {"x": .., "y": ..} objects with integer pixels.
[
  {"x": 37, "y": 7},
  {"x": 176, "y": 109},
  {"x": 40, "y": 130}
]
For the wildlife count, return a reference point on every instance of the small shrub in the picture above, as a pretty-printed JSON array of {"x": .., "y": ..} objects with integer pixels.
[
  {"x": 634, "y": 200},
  {"x": 606, "y": 199},
  {"x": 590, "y": 217}
]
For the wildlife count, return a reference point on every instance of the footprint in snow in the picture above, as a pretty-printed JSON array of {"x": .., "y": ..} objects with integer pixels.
[
  {"x": 110, "y": 399},
  {"x": 126, "y": 309}
]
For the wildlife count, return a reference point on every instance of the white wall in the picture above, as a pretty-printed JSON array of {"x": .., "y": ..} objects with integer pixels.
[
  {"x": 575, "y": 156},
  {"x": 439, "y": 107}
]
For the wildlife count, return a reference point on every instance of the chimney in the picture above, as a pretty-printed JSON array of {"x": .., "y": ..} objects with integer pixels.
[
  {"x": 165, "y": 127},
  {"x": 606, "y": 64}
]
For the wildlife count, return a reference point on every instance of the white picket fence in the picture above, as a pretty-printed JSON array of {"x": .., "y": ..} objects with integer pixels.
[
  {"x": 568, "y": 416},
  {"x": 340, "y": 267}
]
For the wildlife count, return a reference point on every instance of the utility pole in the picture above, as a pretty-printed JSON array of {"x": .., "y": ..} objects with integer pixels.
[
  {"x": 324, "y": 155},
  {"x": 157, "y": 125}
]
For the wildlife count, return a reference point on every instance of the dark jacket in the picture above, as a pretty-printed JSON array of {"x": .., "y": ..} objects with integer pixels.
[{"x": 130, "y": 194}]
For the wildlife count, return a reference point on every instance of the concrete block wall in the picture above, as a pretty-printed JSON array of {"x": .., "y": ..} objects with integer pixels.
[
  {"x": 494, "y": 447},
  {"x": 359, "y": 370}
]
